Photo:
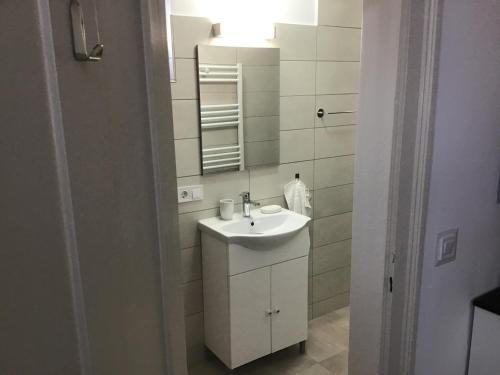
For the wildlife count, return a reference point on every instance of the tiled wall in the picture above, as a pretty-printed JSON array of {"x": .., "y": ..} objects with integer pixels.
[{"x": 319, "y": 69}]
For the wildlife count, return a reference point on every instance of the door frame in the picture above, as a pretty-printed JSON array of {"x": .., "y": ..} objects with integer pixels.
[
  {"x": 384, "y": 324},
  {"x": 398, "y": 90}
]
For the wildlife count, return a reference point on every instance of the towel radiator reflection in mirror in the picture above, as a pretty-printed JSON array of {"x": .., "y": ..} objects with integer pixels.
[{"x": 217, "y": 116}]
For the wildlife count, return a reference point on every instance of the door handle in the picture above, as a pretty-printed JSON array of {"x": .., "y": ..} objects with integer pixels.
[
  {"x": 269, "y": 312},
  {"x": 277, "y": 310}
]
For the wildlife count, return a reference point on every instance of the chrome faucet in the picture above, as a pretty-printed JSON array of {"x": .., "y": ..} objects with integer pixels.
[{"x": 247, "y": 203}]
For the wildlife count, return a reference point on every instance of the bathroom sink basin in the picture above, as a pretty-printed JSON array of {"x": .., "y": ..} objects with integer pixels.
[{"x": 259, "y": 230}]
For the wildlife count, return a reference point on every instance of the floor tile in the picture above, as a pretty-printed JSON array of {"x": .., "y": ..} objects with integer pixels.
[{"x": 336, "y": 365}]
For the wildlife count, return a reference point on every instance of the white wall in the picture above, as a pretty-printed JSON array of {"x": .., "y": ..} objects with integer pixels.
[
  {"x": 463, "y": 184},
  {"x": 284, "y": 11}
]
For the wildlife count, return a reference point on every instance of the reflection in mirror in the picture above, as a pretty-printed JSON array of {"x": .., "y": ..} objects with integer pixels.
[{"x": 239, "y": 107}]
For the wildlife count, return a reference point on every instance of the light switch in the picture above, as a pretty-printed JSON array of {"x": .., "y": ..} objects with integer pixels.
[
  {"x": 446, "y": 249},
  {"x": 189, "y": 193}
]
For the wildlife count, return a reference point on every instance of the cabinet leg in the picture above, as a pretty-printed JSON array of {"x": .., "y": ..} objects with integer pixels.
[{"x": 302, "y": 347}]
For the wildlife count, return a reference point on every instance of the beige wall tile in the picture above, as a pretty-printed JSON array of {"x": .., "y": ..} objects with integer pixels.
[
  {"x": 262, "y": 128},
  {"x": 258, "y": 56},
  {"x": 339, "y": 44},
  {"x": 216, "y": 55},
  {"x": 337, "y": 103},
  {"x": 297, "y": 112},
  {"x": 261, "y": 78},
  {"x": 187, "y": 157},
  {"x": 332, "y": 256},
  {"x": 186, "y": 122},
  {"x": 261, "y": 104},
  {"x": 191, "y": 264},
  {"x": 189, "y": 235},
  {"x": 296, "y": 145},
  {"x": 348, "y": 13},
  {"x": 333, "y": 171},
  {"x": 188, "y": 32},
  {"x": 297, "y": 78},
  {"x": 193, "y": 297},
  {"x": 333, "y": 201},
  {"x": 296, "y": 42},
  {"x": 262, "y": 153},
  {"x": 216, "y": 187},
  {"x": 330, "y": 304},
  {"x": 195, "y": 339},
  {"x": 334, "y": 141},
  {"x": 331, "y": 284},
  {"x": 268, "y": 182},
  {"x": 332, "y": 229},
  {"x": 337, "y": 78},
  {"x": 186, "y": 85}
]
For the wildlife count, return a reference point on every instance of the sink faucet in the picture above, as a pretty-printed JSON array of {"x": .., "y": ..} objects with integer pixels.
[{"x": 247, "y": 203}]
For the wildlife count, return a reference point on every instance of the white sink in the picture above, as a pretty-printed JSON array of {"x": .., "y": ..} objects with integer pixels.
[{"x": 259, "y": 230}]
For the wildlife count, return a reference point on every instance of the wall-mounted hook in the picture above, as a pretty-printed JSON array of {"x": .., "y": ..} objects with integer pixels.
[{"x": 79, "y": 38}]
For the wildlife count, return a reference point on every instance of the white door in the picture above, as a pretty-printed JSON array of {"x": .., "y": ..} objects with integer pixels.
[
  {"x": 250, "y": 311},
  {"x": 289, "y": 302}
]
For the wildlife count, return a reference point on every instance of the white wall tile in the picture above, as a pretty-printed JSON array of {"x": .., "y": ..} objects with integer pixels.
[
  {"x": 187, "y": 157},
  {"x": 337, "y": 78},
  {"x": 339, "y": 44},
  {"x": 297, "y": 112},
  {"x": 216, "y": 187},
  {"x": 296, "y": 42},
  {"x": 187, "y": 33},
  {"x": 333, "y": 171},
  {"x": 296, "y": 145},
  {"x": 332, "y": 229},
  {"x": 297, "y": 78},
  {"x": 348, "y": 13},
  {"x": 186, "y": 85},
  {"x": 334, "y": 141},
  {"x": 186, "y": 119}
]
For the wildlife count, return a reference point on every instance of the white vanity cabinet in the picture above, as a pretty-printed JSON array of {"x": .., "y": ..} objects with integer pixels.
[{"x": 255, "y": 300}]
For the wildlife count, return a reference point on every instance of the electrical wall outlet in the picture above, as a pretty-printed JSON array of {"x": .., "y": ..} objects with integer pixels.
[
  {"x": 189, "y": 193},
  {"x": 446, "y": 249}
]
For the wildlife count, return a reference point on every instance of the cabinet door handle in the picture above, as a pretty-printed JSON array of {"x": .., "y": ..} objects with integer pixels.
[
  {"x": 269, "y": 312},
  {"x": 277, "y": 311}
]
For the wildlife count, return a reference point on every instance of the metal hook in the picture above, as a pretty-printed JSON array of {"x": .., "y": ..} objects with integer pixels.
[{"x": 79, "y": 37}]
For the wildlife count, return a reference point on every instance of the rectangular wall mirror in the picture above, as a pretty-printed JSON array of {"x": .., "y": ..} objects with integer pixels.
[{"x": 239, "y": 107}]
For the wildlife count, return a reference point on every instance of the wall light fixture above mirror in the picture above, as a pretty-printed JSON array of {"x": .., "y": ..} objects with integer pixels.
[{"x": 239, "y": 107}]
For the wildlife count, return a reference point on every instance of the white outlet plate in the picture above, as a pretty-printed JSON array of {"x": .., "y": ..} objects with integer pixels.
[
  {"x": 446, "y": 249},
  {"x": 189, "y": 193}
]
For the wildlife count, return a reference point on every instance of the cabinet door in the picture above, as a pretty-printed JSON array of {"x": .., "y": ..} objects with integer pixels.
[
  {"x": 250, "y": 300},
  {"x": 289, "y": 302}
]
